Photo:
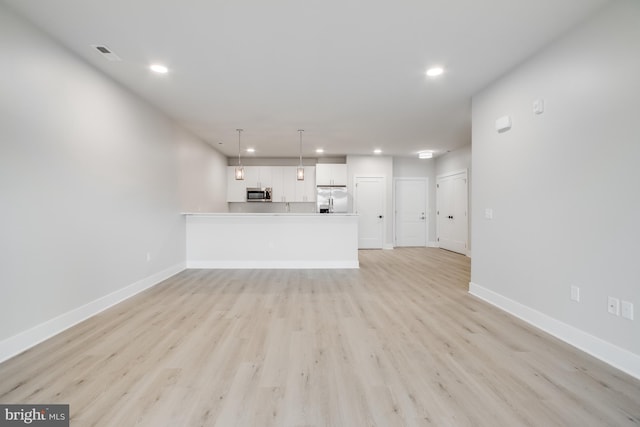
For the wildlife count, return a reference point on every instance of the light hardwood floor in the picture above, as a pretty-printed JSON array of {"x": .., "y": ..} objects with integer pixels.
[{"x": 398, "y": 342}]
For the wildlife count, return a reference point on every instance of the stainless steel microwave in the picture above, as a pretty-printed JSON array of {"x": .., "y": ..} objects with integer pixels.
[{"x": 258, "y": 194}]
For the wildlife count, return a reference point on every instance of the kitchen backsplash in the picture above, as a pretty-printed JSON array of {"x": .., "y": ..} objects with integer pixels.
[{"x": 272, "y": 207}]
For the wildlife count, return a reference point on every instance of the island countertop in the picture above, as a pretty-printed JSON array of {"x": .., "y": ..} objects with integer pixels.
[
  {"x": 264, "y": 214},
  {"x": 271, "y": 240}
]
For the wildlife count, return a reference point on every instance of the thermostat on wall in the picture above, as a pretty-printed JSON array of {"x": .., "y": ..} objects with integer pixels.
[{"x": 503, "y": 124}]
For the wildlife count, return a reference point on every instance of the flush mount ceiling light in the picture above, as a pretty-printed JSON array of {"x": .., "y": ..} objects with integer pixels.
[
  {"x": 251, "y": 150},
  {"x": 377, "y": 151},
  {"x": 300, "y": 170},
  {"x": 239, "y": 168},
  {"x": 159, "y": 68},
  {"x": 319, "y": 150},
  {"x": 425, "y": 154},
  {"x": 435, "y": 71}
]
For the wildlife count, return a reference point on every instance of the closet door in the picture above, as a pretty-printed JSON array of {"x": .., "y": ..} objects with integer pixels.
[{"x": 451, "y": 210}]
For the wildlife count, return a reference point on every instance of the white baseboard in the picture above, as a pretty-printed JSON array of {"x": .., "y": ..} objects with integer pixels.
[
  {"x": 433, "y": 244},
  {"x": 387, "y": 246},
  {"x": 273, "y": 264},
  {"x": 609, "y": 353},
  {"x": 16, "y": 344}
]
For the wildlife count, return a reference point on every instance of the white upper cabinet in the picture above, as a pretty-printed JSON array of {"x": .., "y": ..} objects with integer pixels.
[
  {"x": 276, "y": 184},
  {"x": 288, "y": 184},
  {"x": 287, "y": 188},
  {"x": 305, "y": 191},
  {"x": 282, "y": 180},
  {"x": 331, "y": 174},
  {"x": 254, "y": 176},
  {"x": 258, "y": 176}
]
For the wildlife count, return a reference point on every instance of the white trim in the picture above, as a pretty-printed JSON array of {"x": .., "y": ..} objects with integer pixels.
[
  {"x": 433, "y": 244},
  {"x": 425, "y": 179},
  {"x": 609, "y": 353},
  {"x": 388, "y": 246},
  {"x": 16, "y": 344},
  {"x": 448, "y": 174},
  {"x": 257, "y": 264}
]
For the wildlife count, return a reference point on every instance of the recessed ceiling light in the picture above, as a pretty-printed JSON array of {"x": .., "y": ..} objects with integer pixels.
[
  {"x": 435, "y": 71},
  {"x": 251, "y": 150},
  {"x": 159, "y": 68},
  {"x": 425, "y": 154},
  {"x": 319, "y": 150},
  {"x": 377, "y": 151}
]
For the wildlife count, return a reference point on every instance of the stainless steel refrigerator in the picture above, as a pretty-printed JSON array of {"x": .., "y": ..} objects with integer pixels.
[{"x": 332, "y": 199}]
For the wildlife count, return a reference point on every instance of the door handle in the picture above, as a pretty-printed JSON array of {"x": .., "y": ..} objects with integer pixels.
[
  {"x": 450, "y": 217},
  {"x": 380, "y": 216}
]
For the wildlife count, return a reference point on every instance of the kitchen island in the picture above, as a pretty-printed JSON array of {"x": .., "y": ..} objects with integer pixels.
[{"x": 271, "y": 240}]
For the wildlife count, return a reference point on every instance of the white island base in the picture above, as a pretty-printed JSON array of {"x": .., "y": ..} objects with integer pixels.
[{"x": 243, "y": 240}]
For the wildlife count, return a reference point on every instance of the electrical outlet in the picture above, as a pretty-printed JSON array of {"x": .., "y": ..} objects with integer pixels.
[
  {"x": 575, "y": 293},
  {"x": 627, "y": 310},
  {"x": 613, "y": 306}
]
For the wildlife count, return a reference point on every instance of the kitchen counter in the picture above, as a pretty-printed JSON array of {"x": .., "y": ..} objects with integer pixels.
[
  {"x": 244, "y": 214},
  {"x": 271, "y": 240}
]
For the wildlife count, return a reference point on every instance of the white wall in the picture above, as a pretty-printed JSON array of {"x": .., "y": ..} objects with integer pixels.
[
  {"x": 90, "y": 182},
  {"x": 454, "y": 161},
  {"x": 374, "y": 166},
  {"x": 564, "y": 187},
  {"x": 412, "y": 167},
  {"x": 202, "y": 176}
]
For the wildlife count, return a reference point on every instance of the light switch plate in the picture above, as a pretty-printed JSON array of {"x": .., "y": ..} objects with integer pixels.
[
  {"x": 538, "y": 106},
  {"x": 575, "y": 293},
  {"x": 627, "y": 310},
  {"x": 488, "y": 213}
]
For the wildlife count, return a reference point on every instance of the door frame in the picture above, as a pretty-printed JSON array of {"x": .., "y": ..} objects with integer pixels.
[
  {"x": 426, "y": 207},
  {"x": 384, "y": 203},
  {"x": 446, "y": 175}
]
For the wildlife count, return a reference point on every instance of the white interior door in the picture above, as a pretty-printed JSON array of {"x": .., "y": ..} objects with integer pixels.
[
  {"x": 411, "y": 211},
  {"x": 452, "y": 216},
  {"x": 369, "y": 199}
]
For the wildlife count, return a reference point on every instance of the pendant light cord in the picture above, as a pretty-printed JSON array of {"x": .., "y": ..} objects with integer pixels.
[
  {"x": 239, "y": 162},
  {"x": 300, "y": 131}
]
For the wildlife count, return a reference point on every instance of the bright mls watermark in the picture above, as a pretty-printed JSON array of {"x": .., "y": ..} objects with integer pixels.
[{"x": 34, "y": 415}]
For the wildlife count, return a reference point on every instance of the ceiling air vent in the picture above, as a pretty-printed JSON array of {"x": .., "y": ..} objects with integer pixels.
[{"x": 106, "y": 52}]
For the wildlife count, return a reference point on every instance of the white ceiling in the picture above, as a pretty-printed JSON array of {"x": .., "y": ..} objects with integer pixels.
[{"x": 349, "y": 72}]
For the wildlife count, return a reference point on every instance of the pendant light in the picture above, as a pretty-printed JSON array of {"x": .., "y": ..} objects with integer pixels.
[
  {"x": 300, "y": 171},
  {"x": 239, "y": 168}
]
